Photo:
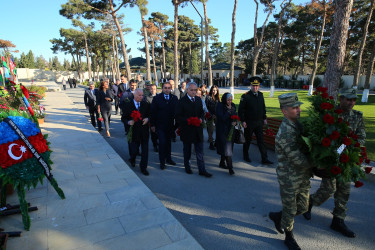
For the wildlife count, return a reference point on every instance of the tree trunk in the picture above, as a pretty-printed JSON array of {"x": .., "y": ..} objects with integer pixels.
[
  {"x": 147, "y": 49},
  {"x": 370, "y": 68},
  {"x": 125, "y": 54},
  {"x": 104, "y": 71},
  {"x": 208, "y": 59},
  {"x": 87, "y": 55},
  {"x": 336, "y": 53},
  {"x": 232, "y": 48},
  {"x": 117, "y": 61},
  {"x": 362, "y": 46},
  {"x": 154, "y": 60},
  {"x": 258, "y": 43},
  {"x": 164, "y": 70},
  {"x": 276, "y": 47},
  {"x": 191, "y": 61},
  {"x": 182, "y": 66},
  {"x": 317, "y": 50},
  {"x": 175, "y": 3}
]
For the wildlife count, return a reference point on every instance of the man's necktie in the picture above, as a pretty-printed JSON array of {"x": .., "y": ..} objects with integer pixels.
[
  {"x": 166, "y": 97},
  {"x": 193, "y": 99},
  {"x": 138, "y": 105}
]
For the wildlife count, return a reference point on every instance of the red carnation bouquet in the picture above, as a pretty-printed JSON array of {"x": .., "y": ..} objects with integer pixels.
[
  {"x": 331, "y": 143},
  {"x": 234, "y": 118},
  {"x": 100, "y": 117},
  {"x": 209, "y": 119},
  {"x": 136, "y": 116},
  {"x": 194, "y": 121}
]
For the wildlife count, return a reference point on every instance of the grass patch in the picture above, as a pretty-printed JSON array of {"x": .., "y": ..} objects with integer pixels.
[{"x": 368, "y": 109}]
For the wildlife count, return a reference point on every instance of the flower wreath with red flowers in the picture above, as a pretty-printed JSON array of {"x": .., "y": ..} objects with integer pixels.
[{"x": 331, "y": 143}]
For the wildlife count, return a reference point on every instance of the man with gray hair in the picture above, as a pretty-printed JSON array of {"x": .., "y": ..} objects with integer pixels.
[
  {"x": 91, "y": 105},
  {"x": 189, "y": 115}
]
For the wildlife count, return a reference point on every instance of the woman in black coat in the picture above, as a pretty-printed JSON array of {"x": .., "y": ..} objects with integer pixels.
[
  {"x": 224, "y": 110},
  {"x": 211, "y": 101},
  {"x": 104, "y": 100}
]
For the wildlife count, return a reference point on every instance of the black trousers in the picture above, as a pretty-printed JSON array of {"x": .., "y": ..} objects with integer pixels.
[
  {"x": 134, "y": 149},
  {"x": 198, "y": 146},
  {"x": 94, "y": 115},
  {"x": 154, "y": 138},
  {"x": 164, "y": 145},
  {"x": 117, "y": 102},
  {"x": 258, "y": 130},
  {"x": 106, "y": 114}
]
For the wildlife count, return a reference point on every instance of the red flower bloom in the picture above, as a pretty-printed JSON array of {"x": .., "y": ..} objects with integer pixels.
[
  {"x": 324, "y": 95},
  {"x": 368, "y": 170},
  {"x": 357, "y": 145},
  {"x": 339, "y": 120},
  {"x": 207, "y": 115},
  {"x": 136, "y": 115},
  {"x": 315, "y": 93},
  {"x": 178, "y": 132},
  {"x": 344, "y": 158},
  {"x": 358, "y": 184},
  {"x": 331, "y": 97},
  {"x": 360, "y": 160},
  {"x": 335, "y": 170},
  {"x": 327, "y": 118},
  {"x": 367, "y": 161},
  {"x": 321, "y": 89},
  {"x": 335, "y": 135},
  {"x": 338, "y": 111},
  {"x": 326, "y": 106},
  {"x": 347, "y": 141},
  {"x": 326, "y": 142},
  {"x": 235, "y": 117},
  {"x": 194, "y": 121}
]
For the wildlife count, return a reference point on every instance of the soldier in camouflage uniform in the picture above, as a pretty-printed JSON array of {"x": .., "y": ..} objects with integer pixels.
[
  {"x": 329, "y": 186},
  {"x": 293, "y": 170}
]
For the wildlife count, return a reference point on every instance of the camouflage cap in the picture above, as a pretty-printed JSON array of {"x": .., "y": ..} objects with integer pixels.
[
  {"x": 289, "y": 100},
  {"x": 349, "y": 93},
  {"x": 148, "y": 83},
  {"x": 255, "y": 80}
]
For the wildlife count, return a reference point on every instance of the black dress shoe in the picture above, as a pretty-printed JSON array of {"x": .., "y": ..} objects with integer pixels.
[
  {"x": 170, "y": 162},
  {"x": 132, "y": 162},
  {"x": 145, "y": 172},
  {"x": 188, "y": 171},
  {"x": 267, "y": 162},
  {"x": 162, "y": 166},
  {"x": 100, "y": 129},
  {"x": 206, "y": 174},
  {"x": 247, "y": 159},
  {"x": 231, "y": 172}
]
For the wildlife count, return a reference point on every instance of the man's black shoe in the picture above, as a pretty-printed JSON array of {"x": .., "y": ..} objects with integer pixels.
[
  {"x": 290, "y": 242},
  {"x": 307, "y": 215},
  {"x": 267, "y": 162},
  {"x": 132, "y": 162},
  {"x": 206, "y": 174},
  {"x": 276, "y": 218},
  {"x": 156, "y": 150},
  {"x": 212, "y": 147},
  {"x": 162, "y": 166},
  {"x": 170, "y": 162},
  {"x": 100, "y": 129},
  {"x": 145, "y": 172},
  {"x": 339, "y": 226},
  {"x": 246, "y": 158},
  {"x": 188, "y": 171},
  {"x": 231, "y": 172}
]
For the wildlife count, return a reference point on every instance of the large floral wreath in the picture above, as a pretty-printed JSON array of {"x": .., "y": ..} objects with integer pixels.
[{"x": 332, "y": 145}]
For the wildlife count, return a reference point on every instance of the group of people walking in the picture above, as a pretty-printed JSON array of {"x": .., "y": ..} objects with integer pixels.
[{"x": 145, "y": 112}]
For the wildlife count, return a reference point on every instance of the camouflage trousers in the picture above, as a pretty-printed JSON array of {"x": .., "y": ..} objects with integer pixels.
[
  {"x": 294, "y": 194},
  {"x": 341, "y": 192}
]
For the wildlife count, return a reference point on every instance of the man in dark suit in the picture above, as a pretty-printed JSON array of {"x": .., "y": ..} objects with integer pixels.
[
  {"x": 252, "y": 112},
  {"x": 70, "y": 81},
  {"x": 90, "y": 103},
  {"x": 74, "y": 82},
  {"x": 162, "y": 121},
  {"x": 140, "y": 130},
  {"x": 123, "y": 85},
  {"x": 126, "y": 97},
  {"x": 187, "y": 107}
]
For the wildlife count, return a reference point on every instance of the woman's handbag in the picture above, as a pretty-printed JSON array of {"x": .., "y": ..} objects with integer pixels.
[{"x": 238, "y": 135}]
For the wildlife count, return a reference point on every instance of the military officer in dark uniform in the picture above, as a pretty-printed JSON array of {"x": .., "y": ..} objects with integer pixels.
[{"x": 252, "y": 112}]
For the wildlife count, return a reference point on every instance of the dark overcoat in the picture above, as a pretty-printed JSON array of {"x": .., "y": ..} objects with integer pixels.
[
  {"x": 223, "y": 126},
  {"x": 140, "y": 132}
]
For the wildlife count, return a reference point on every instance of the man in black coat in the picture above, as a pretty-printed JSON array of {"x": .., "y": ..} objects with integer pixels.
[
  {"x": 187, "y": 107},
  {"x": 149, "y": 98},
  {"x": 90, "y": 103},
  {"x": 162, "y": 122},
  {"x": 140, "y": 129},
  {"x": 252, "y": 113}
]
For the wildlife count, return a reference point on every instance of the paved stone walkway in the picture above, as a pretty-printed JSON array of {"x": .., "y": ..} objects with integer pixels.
[{"x": 106, "y": 207}]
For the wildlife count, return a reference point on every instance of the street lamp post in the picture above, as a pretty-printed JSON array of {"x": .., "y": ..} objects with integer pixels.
[{"x": 201, "y": 41}]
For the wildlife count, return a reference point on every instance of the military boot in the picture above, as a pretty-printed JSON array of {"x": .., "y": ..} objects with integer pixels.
[
  {"x": 307, "y": 215},
  {"x": 276, "y": 218},
  {"x": 339, "y": 226},
  {"x": 290, "y": 242}
]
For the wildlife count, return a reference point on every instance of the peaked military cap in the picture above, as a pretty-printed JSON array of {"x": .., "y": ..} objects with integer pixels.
[
  {"x": 349, "y": 93},
  {"x": 289, "y": 100},
  {"x": 148, "y": 83},
  {"x": 255, "y": 80}
]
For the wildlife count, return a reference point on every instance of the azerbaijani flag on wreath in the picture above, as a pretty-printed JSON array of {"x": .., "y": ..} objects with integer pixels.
[{"x": 12, "y": 148}]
